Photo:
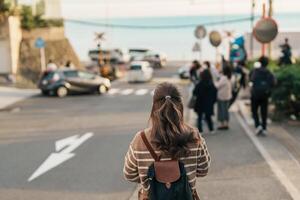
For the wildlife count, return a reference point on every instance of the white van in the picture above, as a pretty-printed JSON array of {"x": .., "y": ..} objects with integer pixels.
[{"x": 139, "y": 71}]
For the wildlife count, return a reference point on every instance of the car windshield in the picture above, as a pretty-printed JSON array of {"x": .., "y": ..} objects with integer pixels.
[
  {"x": 86, "y": 75},
  {"x": 48, "y": 75},
  {"x": 135, "y": 67},
  {"x": 71, "y": 74}
]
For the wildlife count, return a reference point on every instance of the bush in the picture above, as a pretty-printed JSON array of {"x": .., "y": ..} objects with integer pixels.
[
  {"x": 273, "y": 66},
  {"x": 4, "y": 7},
  {"x": 29, "y": 21},
  {"x": 286, "y": 95}
]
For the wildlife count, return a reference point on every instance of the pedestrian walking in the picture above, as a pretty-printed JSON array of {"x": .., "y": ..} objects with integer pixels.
[
  {"x": 224, "y": 87},
  {"x": 262, "y": 81},
  {"x": 51, "y": 66},
  {"x": 286, "y": 50},
  {"x": 239, "y": 80},
  {"x": 206, "y": 96},
  {"x": 69, "y": 65},
  {"x": 194, "y": 72},
  {"x": 213, "y": 70},
  {"x": 166, "y": 158}
]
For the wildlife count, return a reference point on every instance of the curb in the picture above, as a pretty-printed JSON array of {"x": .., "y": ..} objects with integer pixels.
[{"x": 10, "y": 96}]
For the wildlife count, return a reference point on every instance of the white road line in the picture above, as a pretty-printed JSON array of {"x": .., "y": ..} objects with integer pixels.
[
  {"x": 127, "y": 91},
  {"x": 113, "y": 91},
  {"x": 284, "y": 180},
  {"x": 141, "y": 92}
]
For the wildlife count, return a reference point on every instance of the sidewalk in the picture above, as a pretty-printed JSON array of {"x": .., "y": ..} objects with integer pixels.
[
  {"x": 10, "y": 95},
  {"x": 281, "y": 150},
  {"x": 246, "y": 167}
]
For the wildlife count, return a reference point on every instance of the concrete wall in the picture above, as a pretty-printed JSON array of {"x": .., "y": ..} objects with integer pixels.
[
  {"x": 15, "y": 37},
  {"x": 53, "y": 33},
  {"x": 294, "y": 40},
  {"x": 10, "y": 38}
]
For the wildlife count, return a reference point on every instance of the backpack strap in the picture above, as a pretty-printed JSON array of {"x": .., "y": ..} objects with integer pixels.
[{"x": 149, "y": 146}]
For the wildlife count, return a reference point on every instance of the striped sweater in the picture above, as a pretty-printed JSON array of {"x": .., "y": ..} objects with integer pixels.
[{"x": 138, "y": 159}]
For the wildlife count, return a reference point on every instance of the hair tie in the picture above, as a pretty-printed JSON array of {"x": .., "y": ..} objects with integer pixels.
[{"x": 167, "y": 97}]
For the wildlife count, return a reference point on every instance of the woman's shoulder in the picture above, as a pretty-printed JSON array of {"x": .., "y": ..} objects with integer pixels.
[
  {"x": 137, "y": 142},
  {"x": 196, "y": 134}
]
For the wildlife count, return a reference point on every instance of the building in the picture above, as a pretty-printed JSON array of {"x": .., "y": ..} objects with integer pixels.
[
  {"x": 10, "y": 38},
  {"x": 50, "y": 9}
]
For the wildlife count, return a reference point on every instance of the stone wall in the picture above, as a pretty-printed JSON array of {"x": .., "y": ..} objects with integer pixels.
[
  {"x": 58, "y": 50},
  {"x": 53, "y": 33}
]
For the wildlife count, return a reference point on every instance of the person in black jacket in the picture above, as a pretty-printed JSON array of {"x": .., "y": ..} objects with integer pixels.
[
  {"x": 206, "y": 96},
  {"x": 194, "y": 72},
  {"x": 262, "y": 81}
]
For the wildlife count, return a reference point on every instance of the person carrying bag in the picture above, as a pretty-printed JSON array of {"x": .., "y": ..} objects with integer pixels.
[{"x": 166, "y": 158}]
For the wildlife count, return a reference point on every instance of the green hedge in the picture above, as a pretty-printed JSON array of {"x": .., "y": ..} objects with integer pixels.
[
  {"x": 30, "y": 21},
  {"x": 286, "y": 94}
]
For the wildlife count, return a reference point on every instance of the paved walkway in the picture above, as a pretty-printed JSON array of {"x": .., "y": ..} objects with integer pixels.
[{"x": 10, "y": 95}]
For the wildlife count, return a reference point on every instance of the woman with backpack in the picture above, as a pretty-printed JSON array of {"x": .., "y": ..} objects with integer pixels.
[{"x": 167, "y": 157}]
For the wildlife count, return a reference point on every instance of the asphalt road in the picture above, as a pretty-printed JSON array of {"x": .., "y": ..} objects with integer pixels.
[{"x": 28, "y": 136}]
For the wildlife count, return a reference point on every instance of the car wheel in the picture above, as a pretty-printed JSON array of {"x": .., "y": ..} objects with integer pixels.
[
  {"x": 102, "y": 89},
  {"x": 62, "y": 91},
  {"x": 45, "y": 92}
]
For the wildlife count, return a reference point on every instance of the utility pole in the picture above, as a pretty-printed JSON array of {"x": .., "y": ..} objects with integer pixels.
[{"x": 252, "y": 27}]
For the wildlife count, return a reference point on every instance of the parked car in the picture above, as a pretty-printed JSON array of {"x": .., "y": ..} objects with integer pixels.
[
  {"x": 184, "y": 71},
  {"x": 137, "y": 54},
  {"x": 156, "y": 59},
  {"x": 139, "y": 71},
  {"x": 113, "y": 56},
  {"x": 65, "y": 81}
]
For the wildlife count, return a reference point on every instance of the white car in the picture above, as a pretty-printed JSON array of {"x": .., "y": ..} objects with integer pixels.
[{"x": 139, "y": 71}]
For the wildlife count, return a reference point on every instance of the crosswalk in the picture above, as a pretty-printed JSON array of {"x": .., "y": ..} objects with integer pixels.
[{"x": 130, "y": 91}]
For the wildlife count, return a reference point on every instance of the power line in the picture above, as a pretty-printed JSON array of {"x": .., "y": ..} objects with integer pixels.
[{"x": 181, "y": 26}]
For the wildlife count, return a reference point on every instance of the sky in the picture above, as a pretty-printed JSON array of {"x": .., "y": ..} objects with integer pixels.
[{"x": 80, "y": 9}]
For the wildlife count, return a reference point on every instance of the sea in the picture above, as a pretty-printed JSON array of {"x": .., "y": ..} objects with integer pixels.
[{"x": 176, "y": 43}]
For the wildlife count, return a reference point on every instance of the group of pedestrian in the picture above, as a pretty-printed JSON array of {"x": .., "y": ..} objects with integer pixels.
[
  {"x": 211, "y": 87},
  {"x": 51, "y": 66}
]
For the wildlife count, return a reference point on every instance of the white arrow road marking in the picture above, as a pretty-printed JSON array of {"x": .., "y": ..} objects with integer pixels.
[
  {"x": 141, "y": 92},
  {"x": 65, "y": 146}
]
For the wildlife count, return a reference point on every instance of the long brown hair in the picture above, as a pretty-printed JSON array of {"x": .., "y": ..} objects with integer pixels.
[{"x": 171, "y": 134}]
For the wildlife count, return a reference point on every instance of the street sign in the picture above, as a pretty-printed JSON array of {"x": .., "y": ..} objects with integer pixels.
[
  {"x": 39, "y": 43},
  {"x": 215, "y": 38},
  {"x": 200, "y": 32},
  {"x": 197, "y": 47},
  {"x": 265, "y": 30}
]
